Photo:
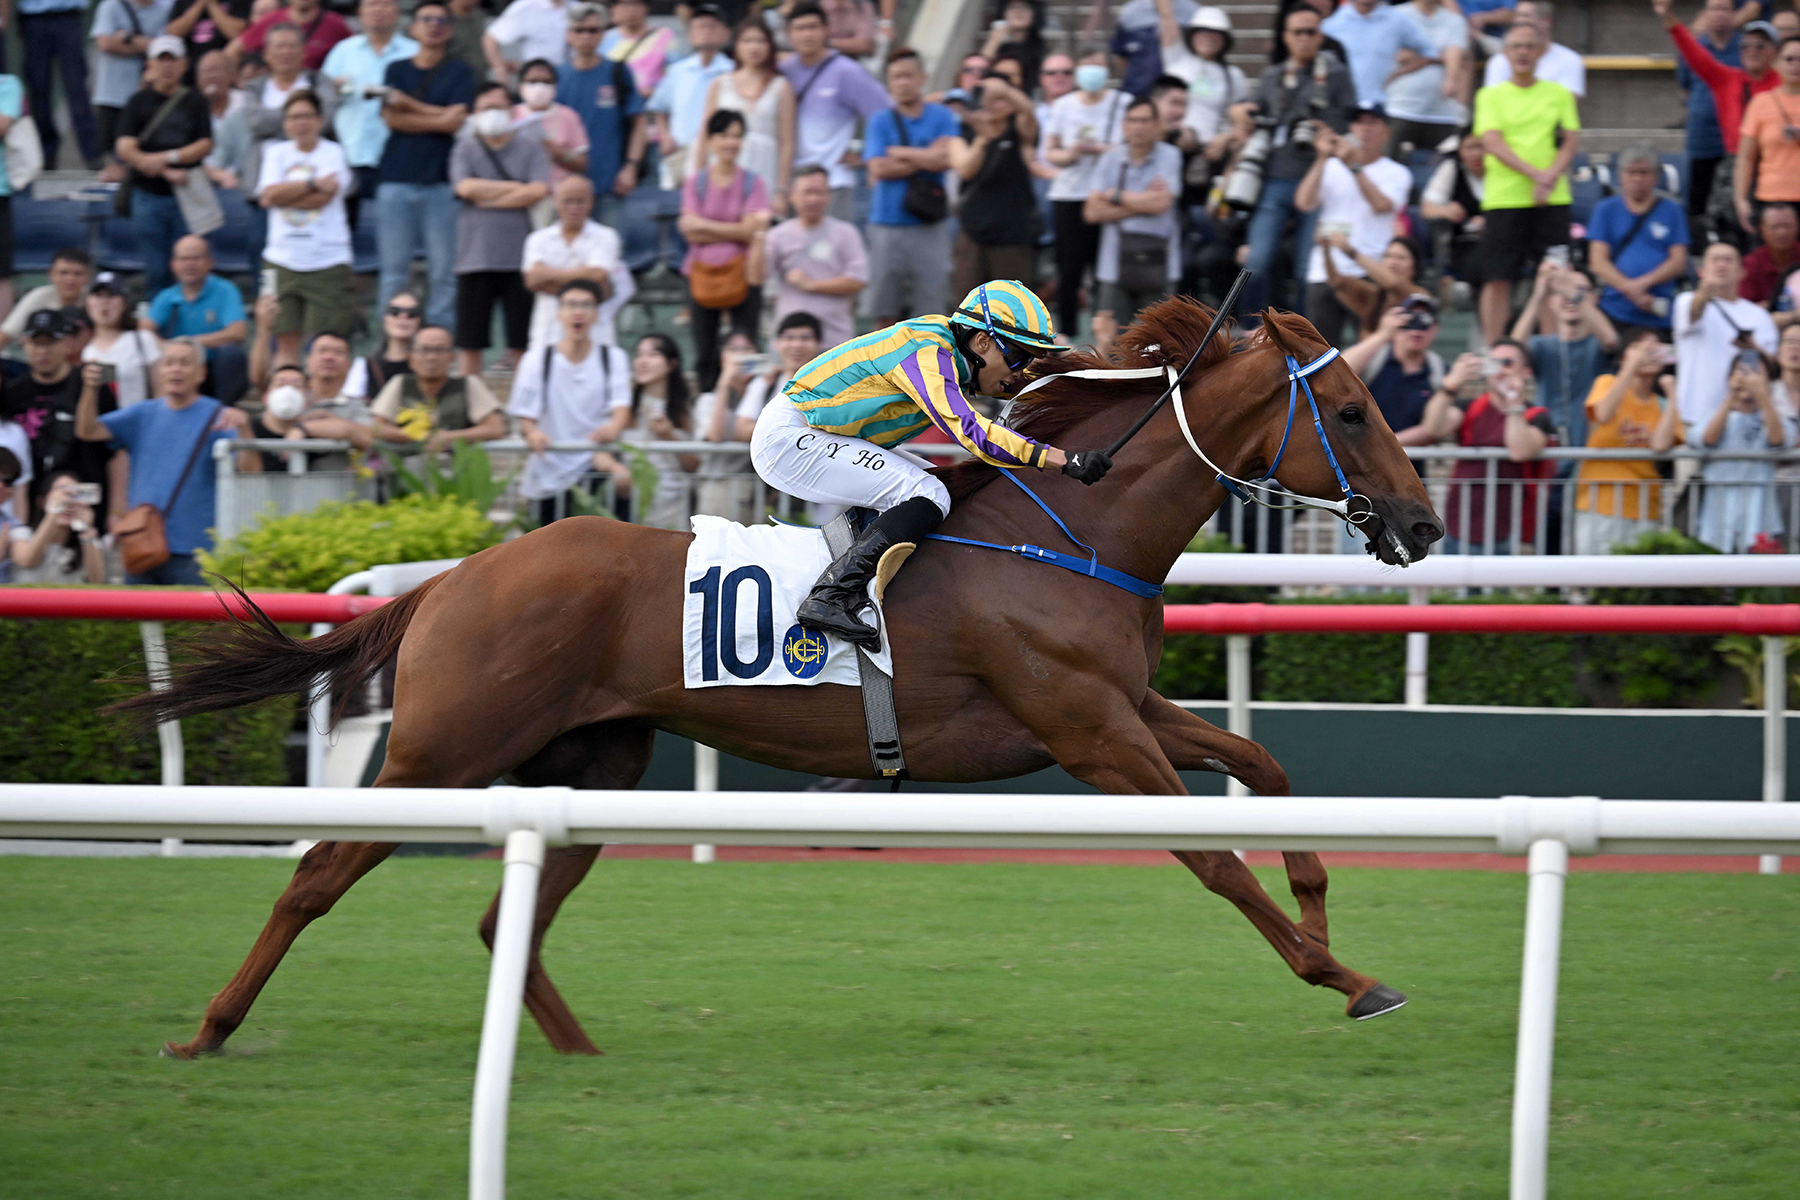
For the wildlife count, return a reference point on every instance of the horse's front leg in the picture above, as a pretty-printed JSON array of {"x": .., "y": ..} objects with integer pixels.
[{"x": 1191, "y": 744}]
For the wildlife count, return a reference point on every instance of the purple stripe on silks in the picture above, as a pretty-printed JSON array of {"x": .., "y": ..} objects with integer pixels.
[
  {"x": 910, "y": 365},
  {"x": 974, "y": 432}
]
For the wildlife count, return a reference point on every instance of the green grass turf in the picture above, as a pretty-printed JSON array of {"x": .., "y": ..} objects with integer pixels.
[{"x": 878, "y": 1030}]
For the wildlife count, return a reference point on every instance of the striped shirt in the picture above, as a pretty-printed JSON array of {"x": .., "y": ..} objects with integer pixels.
[{"x": 894, "y": 384}]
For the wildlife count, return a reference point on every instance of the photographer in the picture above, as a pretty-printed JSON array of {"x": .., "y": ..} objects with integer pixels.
[
  {"x": 1312, "y": 91},
  {"x": 997, "y": 232},
  {"x": 1503, "y": 415},
  {"x": 1618, "y": 501},
  {"x": 1353, "y": 191},
  {"x": 1733, "y": 516},
  {"x": 1713, "y": 323},
  {"x": 65, "y": 546}
]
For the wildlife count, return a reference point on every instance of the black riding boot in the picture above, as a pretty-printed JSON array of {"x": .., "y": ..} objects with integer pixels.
[{"x": 843, "y": 590}]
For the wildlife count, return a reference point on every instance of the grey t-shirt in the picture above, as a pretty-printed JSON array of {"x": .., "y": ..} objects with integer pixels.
[
  {"x": 493, "y": 239},
  {"x": 117, "y": 76},
  {"x": 1116, "y": 169}
]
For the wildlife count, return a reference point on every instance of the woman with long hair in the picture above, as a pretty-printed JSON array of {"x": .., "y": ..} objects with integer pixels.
[
  {"x": 723, "y": 209},
  {"x": 1384, "y": 284},
  {"x": 119, "y": 343},
  {"x": 1019, "y": 33},
  {"x": 400, "y": 322},
  {"x": 756, "y": 89},
  {"x": 65, "y": 545},
  {"x": 557, "y": 126},
  {"x": 661, "y": 411}
]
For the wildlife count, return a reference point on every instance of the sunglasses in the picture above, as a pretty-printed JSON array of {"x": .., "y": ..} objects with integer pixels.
[
  {"x": 1058, "y": 71},
  {"x": 395, "y": 310},
  {"x": 589, "y": 30}
]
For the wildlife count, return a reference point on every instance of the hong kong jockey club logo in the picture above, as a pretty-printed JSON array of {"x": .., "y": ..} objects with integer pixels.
[{"x": 804, "y": 651}]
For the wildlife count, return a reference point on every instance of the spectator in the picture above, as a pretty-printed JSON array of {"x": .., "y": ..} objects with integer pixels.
[
  {"x": 207, "y": 26},
  {"x": 70, "y": 271},
  {"x": 1380, "y": 284},
  {"x": 320, "y": 30},
  {"x": 603, "y": 95},
  {"x": 908, "y": 151},
  {"x": 15, "y": 467},
  {"x": 207, "y": 310},
  {"x": 1712, "y": 324},
  {"x": 65, "y": 546},
  {"x": 723, "y": 209},
  {"x": 302, "y": 186},
  {"x": 1715, "y": 33},
  {"x": 855, "y": 30},
  {"x": 1132, "y": 198},
  {"x": 644, "y": 48},
  {"x": 1423, "y": 94},
  {"x": 757, "y": 90},
  {"x": 818, "y": 262},
  {"x": 797, "y": 343},
  {"x": 1637, "y": 244},
  {"x": 1137, "y": 39},
  {"x": 1500, "y": 416},
  {"x": 569, "y": 394},
  {"x": 1018, "y": 32},
  {"x": 1786, "y": 23},
  {"x": 660, "y": 411},
  {"x": 1083, "y": 125},
  {"x": 427, "y": 98},
  {"x": 1732, "y": 86},
  {"x": 997, "y": 213},
  {"x": 1375, "y": 37},
  {"x": 1352, "y": 194},
  {"x": 1489, "y": 21},
  {"x": 164, "y": 133},
  {"x": 680, "y": 99},
  {"x": 166, "y": 438},
  {"x": 1767, "y": 267},
  {"x": 429, "y": 408},
  {"x": 121, "y": 32},
  {"x": 10, "y": 466},
  {"x": 727, "y": 485},
  {"x": 1403, "y": 373},
  {"x": 831, "y": 93},
  {"x": 1768, "y": 157},
  {"x": 1198, "y": 57},
  {"x": 1312, "y": 92},
  {"x": 1567, "y": 361},
  {"x": 284, "y": 399},
  {"x": 247, "y": 134},
  {"x": 119, "y": 343},
  {"x": 311, "y": 403},
  {"x": 356, "y": 68},
  {"x": 1737, "y": 502},
  {"x": 1452, "y": 203},
  {"x": 216, "y": 78},
  {"x": 80, "y": 329},
  {"x": 1531, "y": 132},
  {"x": 399, "y": 324},
  {"x": 1555, "y": 62},
  {"x": 43, "y": 402},
  {"x": 574, "y": 248},
  {"x": 526, "y": 30},
  {"x": 53, "y": 37},
  {"x": 498, "y": 177},
  {"x": 556, "y": 127},
  {"x": 972, "y": 70},
  {"x": 469, "y": 20},
  {"x": 1618, "y": 501}
]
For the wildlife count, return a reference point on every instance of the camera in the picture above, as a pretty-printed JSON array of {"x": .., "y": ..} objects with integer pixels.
[
  {"x": 86, "y": 493},
  {"x": 1244, "y": 184}
]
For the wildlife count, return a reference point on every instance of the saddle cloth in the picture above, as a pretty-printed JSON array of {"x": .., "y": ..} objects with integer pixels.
[{"x": 740, "y": 590}]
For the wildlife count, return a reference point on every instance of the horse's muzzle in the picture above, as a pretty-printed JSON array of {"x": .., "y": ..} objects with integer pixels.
[{"x": 1398, "y": 534}]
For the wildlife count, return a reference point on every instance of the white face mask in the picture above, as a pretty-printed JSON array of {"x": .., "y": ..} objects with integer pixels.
[
  {"x": 285, "y": 402},
  {"x": 537, "y": 96},
  {"x": 1091, "y": 77},
  {"x": 493, "y": 122}
]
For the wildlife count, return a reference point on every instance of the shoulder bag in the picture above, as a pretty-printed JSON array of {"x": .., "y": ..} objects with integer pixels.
[
  {"x": 142, "y": 534},
  {"x": 720, "y": 285},
  {"x": 925, "y": 196},
  {"x": 539, "y": 214},
  {"x": 1143, "y": 257},
  {"x": 122, "y": 196}
]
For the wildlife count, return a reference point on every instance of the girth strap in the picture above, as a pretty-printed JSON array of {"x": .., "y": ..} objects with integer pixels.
[{"x": 879, "y": 717}]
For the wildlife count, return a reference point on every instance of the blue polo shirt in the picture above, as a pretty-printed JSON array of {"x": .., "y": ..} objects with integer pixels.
[
  {"x": 933, "y": 122},
  {"x": 1372, "y": 43},
  {"x": 1664, "y": 228},
  {"x": 160, "y": 439},
  {"x": 605, "y": 98},
  {"x": 217, "y": 305},
  {"x": 360, "y": 129}
]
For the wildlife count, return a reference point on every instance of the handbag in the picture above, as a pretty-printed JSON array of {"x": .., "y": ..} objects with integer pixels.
[
  {"x": 121, "y": 202},
  {"x": 719, "y": 285},
  {"x": 199, "y": 204},
  {"x": 1143, "y": 257},
  {"x": 24, "y": 154},
  {"x": 142, "y": 534},
  {"x": 925, "y": 196}
]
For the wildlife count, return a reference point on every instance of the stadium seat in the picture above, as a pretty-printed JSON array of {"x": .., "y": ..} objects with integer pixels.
[
  {"x": 365, "y": 254},
  {"x": 118, "y": 245},
  {"x": 230, "y": 242},
  {"x": 42, "y": 227}
]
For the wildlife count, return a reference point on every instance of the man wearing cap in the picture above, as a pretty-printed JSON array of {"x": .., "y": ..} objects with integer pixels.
[
  {"x": 679, "y": 101},
  {"x": 165, "y": 131},
  {"x": 43, "y": 403},
  {"x": 1401, "y": 370},
  {"x": 1354, "y": 191}
]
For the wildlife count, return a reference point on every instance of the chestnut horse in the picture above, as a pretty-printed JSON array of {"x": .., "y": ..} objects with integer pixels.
[{"x": 553, "y": 659}]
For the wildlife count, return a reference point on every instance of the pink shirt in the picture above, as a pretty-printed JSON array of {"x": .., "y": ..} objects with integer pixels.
[
  {"x": 747, "y": 193},
  {"x": 559, "y": 126}
]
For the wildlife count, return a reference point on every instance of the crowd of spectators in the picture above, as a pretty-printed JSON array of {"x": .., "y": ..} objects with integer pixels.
[{"x": 526, "y": 169}]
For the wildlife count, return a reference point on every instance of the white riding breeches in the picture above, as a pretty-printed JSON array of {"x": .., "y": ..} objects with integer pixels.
[{"x": 830, "y": 468}]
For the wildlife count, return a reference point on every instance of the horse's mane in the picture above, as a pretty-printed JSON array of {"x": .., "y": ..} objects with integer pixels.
[{"x": 1166, "y": 333}]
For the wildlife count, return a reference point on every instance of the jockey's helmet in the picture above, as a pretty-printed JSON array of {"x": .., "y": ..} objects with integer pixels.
[{"x": 1013, "y": 316}]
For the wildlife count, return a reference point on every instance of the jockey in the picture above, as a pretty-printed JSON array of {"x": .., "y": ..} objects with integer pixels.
[{"x": 830, "y": 436}]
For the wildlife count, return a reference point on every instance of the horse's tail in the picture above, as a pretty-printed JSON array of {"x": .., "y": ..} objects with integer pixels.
[{"x": 255, "y": 660}]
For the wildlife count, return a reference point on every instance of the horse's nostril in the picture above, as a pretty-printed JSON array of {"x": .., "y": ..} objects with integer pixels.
[{"x": 1427, "y": 532}]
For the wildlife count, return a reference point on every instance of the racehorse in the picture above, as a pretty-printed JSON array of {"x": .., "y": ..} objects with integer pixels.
[{"x": 553, "y": 659}]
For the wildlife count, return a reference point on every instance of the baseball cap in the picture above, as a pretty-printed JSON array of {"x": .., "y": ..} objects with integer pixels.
[
  {"x": 167, "y": 45},
  {"x": 1373, "y": 108},
  {"x": 1765, "y": 29},
  {"x": 1421, "y": 311},
  {"x": 45, "y": 323},
  {"x": 709, "y": 10},
  {"x": 75, "y": 318},
  {"x": 106, "y": 281},
  {"x": 958, "y": 96}
]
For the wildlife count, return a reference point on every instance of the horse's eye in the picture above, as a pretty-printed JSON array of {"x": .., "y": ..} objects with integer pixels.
[{"x": 1351, "y": 416}]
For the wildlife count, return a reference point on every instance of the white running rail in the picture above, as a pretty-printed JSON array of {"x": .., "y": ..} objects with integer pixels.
[{"x": 528, "y": 819}]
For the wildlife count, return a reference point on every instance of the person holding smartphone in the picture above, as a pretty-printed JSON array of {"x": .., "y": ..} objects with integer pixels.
[
  {"x": 65, "y": 545},
  {"x": 1619, "y": 501}
]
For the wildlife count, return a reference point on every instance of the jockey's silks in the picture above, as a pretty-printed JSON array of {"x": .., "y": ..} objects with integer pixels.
[{"x": 894, "y": 384}]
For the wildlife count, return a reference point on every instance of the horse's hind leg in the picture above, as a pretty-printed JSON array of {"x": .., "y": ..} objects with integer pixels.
[
  {"x": 594, "y": 756},
  {"x": 326, "y": 872},
  {"x": 1194, "y": 745}
]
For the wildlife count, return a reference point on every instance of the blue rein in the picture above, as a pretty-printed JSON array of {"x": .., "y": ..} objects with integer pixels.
[{"x": 1298, "y": 381}]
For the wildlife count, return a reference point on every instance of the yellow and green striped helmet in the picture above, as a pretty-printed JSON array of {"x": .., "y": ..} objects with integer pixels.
[{"x": 1010, "y": 312}]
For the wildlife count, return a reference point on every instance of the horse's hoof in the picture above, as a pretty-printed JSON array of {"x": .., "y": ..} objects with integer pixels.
[
  {"x": 171, "y": 1050},
  {"x": 1377, "y": 1000}
]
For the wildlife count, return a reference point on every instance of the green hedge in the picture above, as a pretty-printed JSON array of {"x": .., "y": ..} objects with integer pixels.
[
  {"x": 308, "y": 552},
  {"x": 58, "y": 673}
]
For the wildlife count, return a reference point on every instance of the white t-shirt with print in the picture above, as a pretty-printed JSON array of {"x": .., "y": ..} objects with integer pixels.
[
  {"x": 306, "y": 239},
  {"x": 1342, "y": 203},
  {"x": 1072, "y": 120}
]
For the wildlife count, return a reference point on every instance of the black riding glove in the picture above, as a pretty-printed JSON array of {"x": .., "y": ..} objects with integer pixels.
[{"x": 1089, "y": 466}]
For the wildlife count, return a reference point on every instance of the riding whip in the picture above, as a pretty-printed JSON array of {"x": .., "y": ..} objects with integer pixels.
[{"x": 1219, "y": 319}]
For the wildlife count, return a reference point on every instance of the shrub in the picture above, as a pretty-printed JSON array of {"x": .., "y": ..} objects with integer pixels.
[
  {"x": 1658, "y": 670},
  {"x": 309, "y": 552},
  {"x": 1193, "y": 665}
]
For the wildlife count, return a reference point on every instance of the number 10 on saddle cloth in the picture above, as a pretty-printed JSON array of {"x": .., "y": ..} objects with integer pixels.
[{"x": 740, "y": 590}]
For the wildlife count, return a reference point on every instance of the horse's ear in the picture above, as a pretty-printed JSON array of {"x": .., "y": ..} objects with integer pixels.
[{"x": 1296, "y": 335}]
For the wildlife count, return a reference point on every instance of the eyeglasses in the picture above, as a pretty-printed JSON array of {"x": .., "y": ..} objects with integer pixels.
[
  {"x": 396, "y": 310},
  {"x": 433, "y": 20},
  {"x": 588, "y": 30},
  {"x": 1304, "y": 33},
  {"x": 431, "y": 349},
  {"x": 1057, "y": 71}
]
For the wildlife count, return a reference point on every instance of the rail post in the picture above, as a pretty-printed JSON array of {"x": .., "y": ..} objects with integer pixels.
[
  {"x": 500, "y": 1020},
  {"x": 1418, "y": 654},
  {"x": 1548, "y": 867},
  {"x": 172, "y": 753},
  {"x": 706, "y": 779},
  {"x": 1237, "y": 697},
  {"x": 1774, "y": 734}
]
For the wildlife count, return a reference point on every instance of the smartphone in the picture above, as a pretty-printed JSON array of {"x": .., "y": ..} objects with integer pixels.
[
  {"x": 108, "y": 373},
  {"x": 267, "y": 286},
  {"x": 86, "y": 493},
  {"x": 1558, "y": 255},
  {"x": 755, "y": 364}
]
